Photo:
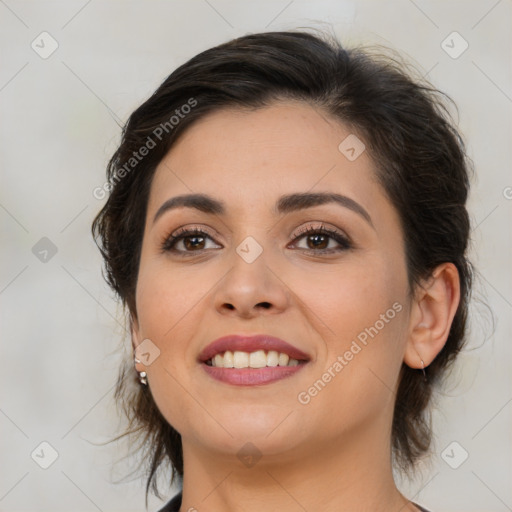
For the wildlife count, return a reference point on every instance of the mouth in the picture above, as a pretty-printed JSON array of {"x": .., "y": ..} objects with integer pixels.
[
  {"x": 254, "y": 351},
  {"x": 254, "y": 360},
  {"x": 258, "y": 359}
]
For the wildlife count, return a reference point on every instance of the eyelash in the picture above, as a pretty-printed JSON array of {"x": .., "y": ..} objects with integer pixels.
[{"x": 169, "y": 242}]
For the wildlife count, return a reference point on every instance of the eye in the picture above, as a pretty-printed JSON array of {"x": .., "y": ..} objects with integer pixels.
[
  {"x": 317, "y": 240},
  {"x": 186, "y": 241}
]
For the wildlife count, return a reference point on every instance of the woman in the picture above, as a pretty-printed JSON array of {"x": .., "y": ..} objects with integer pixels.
[{"x": 287, "y": 228}]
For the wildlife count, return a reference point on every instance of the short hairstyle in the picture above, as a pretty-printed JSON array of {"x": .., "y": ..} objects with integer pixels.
[{"x": 419, "y": 160}]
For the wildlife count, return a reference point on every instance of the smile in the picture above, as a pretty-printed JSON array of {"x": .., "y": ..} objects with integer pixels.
[
  {"x": 248, "y": 376},
  {"x": 257, "y": 359}
]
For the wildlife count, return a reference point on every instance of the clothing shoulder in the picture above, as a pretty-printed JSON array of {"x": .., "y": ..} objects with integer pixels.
[{"x": 173, "y": 505}]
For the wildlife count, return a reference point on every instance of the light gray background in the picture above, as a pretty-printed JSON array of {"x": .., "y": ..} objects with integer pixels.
[{"x": 60, "y": 325}]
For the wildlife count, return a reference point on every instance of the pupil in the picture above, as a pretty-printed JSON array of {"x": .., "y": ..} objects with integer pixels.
[
  {"x": 188, "y": 245},
  {"x": 316, "y": 238}
]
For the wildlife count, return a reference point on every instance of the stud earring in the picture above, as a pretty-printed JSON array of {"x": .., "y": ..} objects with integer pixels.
[{"x": 142, "y": 375}]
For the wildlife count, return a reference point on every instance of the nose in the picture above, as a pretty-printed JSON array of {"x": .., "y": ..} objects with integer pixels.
[{"x": 251, "y": 289}]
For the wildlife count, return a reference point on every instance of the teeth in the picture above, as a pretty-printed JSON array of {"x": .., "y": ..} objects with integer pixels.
[
  {"x": 227, "y": 361},
  {"x": 258, "y": 359},
  {"x": 241, "y": 359},
  {"x": 283, "y": 359},
  {"x": 272, "y": 358}
]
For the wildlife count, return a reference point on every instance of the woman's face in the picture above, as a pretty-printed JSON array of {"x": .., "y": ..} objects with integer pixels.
[{"x": 344, "y": 303}]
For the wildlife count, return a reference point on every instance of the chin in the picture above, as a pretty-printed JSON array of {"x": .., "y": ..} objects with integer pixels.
[{"x": 270, "y": 436}]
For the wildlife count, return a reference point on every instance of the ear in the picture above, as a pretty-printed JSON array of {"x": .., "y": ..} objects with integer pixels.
[
  {"x": 134, "y": 328},
  {"x": 431, "y": 315}
]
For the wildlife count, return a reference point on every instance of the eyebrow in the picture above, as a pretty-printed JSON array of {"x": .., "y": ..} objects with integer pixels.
[{"x": 285, "y": 204}]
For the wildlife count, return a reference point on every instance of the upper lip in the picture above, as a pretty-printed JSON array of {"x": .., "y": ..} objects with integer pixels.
[{"x": 251, "y": 343}]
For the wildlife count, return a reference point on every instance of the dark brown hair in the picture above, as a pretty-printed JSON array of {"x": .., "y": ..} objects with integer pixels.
[{"x": 418, "y": 154}]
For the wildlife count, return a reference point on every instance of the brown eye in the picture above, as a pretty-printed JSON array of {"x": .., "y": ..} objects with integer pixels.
[
  {"x": 320, "y": 240},
  {"x": 192, "y": 240},
  {"x": 317, "y": 241}
]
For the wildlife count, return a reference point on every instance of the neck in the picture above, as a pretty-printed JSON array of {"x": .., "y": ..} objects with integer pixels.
[{"x": 338, "y": 476}]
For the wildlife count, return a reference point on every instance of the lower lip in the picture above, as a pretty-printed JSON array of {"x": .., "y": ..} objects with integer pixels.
[{"x": 252, "y": 376}]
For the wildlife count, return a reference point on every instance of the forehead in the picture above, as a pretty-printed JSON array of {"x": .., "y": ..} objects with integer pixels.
[{"x": 250, "y": 157}]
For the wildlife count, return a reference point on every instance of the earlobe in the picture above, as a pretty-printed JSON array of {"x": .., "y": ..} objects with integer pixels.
[
  {"x": 139, "y": 367},
  {"x": 431, "y": 316}
]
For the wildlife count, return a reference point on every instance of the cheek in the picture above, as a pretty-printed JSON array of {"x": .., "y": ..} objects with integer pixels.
[
  {"x": 349, "y": 297},
  {"x": 361, "y": 316},
  {"x": 164, "y": 300},
  {"x": 166, "y": 303},
  {"x": 371, "y": 315}
]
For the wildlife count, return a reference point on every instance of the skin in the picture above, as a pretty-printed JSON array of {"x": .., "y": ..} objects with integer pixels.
[{"x": 333, "y": 453}]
